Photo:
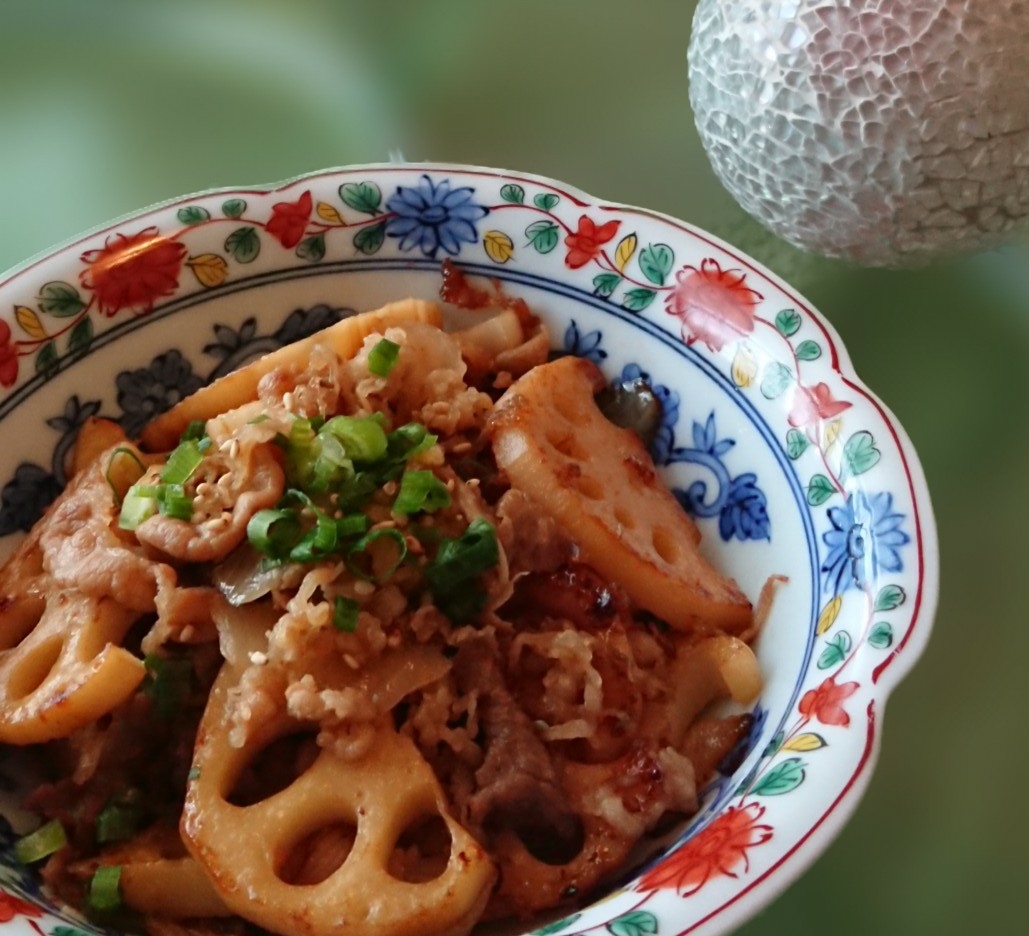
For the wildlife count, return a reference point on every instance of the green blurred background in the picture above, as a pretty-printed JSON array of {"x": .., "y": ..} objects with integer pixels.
[{"x": 108, "y": 106}]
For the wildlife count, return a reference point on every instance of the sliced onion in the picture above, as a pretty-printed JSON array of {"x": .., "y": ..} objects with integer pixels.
[{"x": 243, "y": 576}]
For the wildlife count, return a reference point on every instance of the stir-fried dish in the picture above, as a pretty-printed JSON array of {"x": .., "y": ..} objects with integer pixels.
[{"x": 391, "y": 632}]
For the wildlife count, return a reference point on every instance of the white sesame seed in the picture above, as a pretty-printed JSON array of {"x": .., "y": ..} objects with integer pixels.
[
  {"x": 187, "y": 633},
  {"x": 351, "y": 661},
  {"x": 258, "y": 658},
  {"x": 363, "y": 589}
]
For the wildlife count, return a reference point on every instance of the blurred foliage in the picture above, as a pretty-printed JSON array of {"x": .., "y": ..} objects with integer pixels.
[{"x": 108, "y": 106}]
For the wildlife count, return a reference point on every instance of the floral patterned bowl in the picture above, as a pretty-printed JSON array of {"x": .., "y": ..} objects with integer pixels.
[{"x": 790, "y": 465}]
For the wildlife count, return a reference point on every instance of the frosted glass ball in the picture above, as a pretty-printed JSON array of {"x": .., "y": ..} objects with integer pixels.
[{"x": 887, "y": 132}]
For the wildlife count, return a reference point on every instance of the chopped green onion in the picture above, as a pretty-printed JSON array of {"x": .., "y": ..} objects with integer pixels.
[
  {"x": 195, "y": 431},
  {"x": 124, "y": 469},
  {"x": 457, "y": 563},
  {"x": 355, "y": 492},
  {"x": 409, "y": 440},
  {"x": 42, "y": 843},
  {"x": 421, "y": 490},
  {"x": 345, "y": 615},
  {"x": 137, "y": 506},
  {"x": 169, "y": 682},
  {"x": 120, "y": 819},
  {"x": 352, "y": 525},
  {"x": 105, "y": 889},
  {"x": 318, "y": 542},
  {"x": 274, "y": 532},
  {"x": 383, "y": 357},
  {"x": 182, "y": 462},
  {"x": 362, "y": 436},
  {"x": 360, "y": 561},
  {"x": 257, "y": 420},
  {"x": 175, "y": 502}
]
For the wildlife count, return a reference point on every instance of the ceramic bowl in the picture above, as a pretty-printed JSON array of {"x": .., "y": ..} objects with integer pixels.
[{"x": 790, "y": 465}]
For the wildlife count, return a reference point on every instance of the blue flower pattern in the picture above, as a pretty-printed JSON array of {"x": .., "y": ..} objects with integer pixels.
[
  {"x": 865, "y": 540},
  {"x": 432, "y": 216}
]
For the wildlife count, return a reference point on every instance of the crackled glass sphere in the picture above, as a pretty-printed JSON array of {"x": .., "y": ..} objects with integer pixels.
[{"x": 886, "y": 132}]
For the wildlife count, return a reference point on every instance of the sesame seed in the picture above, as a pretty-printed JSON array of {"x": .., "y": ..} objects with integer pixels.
[
  {"x": 363, "y": 589},
  {"x": 351, "y": 661},
  {"x": 258, "y": 658},
  {"x": 187, "y": 633},
  {"x": 287, "y": 400},
  {"x": 233, "y": 448}
]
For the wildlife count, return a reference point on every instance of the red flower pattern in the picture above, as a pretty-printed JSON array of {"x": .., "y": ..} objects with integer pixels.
[
  {"x": 133, "y": 271},
  {"x": 12, "y": 906},
  {"x": 289, "y": 220},
  {"x": 720, "y": 849},
  {"x": 8, "y": 357},
  {"x": 586, "y": 243},
  {"x": 824, "y": 704},
  {"x": 713, "y": 304},
  {"x": 813, "y": 404}
]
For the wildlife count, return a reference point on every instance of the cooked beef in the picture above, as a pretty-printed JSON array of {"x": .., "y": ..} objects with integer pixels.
[{"x": 517, "y": 785}]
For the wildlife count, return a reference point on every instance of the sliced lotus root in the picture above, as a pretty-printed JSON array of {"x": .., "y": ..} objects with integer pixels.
[
  {"x": 239, "y": 387},
  {"x": 367, "y": 807},
  {"x": 598, "y": 481},
  {"x": 68, "y": 670}
]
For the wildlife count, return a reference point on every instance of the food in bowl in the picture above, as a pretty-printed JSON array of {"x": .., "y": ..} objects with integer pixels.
[{"x": 391, "y": 630}]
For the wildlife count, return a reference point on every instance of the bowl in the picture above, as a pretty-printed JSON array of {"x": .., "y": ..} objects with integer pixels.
[{"x": 789, "y": 464}]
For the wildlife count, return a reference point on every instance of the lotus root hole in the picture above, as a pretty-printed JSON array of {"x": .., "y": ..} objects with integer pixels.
[
  {"x": 567, "y": 444},
  {"x": 422, "y": 851},
  {"x": 665, "y": 545},
  {"x": 315, "y": 856},
  {"x": 625, "y": 519},
  {"x": 589, "y": 487},
  {"x": 32, "y": 669},
  {"x": 19, "y": 617},
  {"x": 271, "y": 769}
]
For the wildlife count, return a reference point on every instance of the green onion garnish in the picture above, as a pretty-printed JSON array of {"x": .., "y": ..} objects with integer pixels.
[
  {"x": 42, "y": 843},
  {"x": 195, "y": 431},
  {"x": 174, "y": 502},
  {"x": 105, "y": 889},
  {"x": 352, "y": 525},
  {"x": 421, "y": 490},
  {"x": 119, "y": 820},
  {"x": 136, "y": 507},
  {"x": 362, "y": 437},
  {"x": 457, "y": 563},
  {"x": 409, "y": 440},
  {"x": 359, "y": 559},
  {"x": 274, "y": 532},
  {"x": 169, "y": 682},
  {"x": 182, "y": 462},
  {"x": 345, "y": 615},
  {"x": 383, "y": 357},
  {"x": 123, "y": 470}
]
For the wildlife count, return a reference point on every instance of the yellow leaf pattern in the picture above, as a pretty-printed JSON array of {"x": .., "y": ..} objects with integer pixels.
[
  {"x": 499, "y": 247},
  {"x": 624, "y": 251},
  {"x": 327, "y": 213},
  {"x": 831, "y": 433},
  {"x": 744, "y": 367},
  {"x": 29, "y": 322},
  {"x": 209, "y": 269},
  {"x": 829, "y": 614},
  {"x": 808, "y": 741}
]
